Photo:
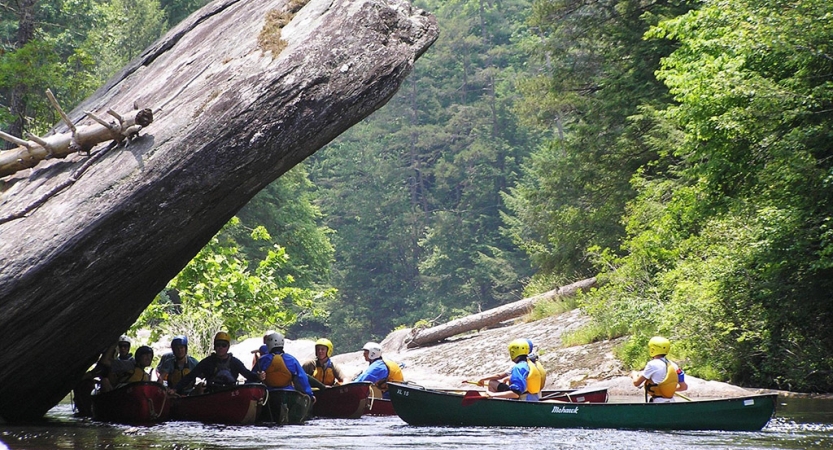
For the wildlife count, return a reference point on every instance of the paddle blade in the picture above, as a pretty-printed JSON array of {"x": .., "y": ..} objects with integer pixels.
[{"x": 472, "y": 397}]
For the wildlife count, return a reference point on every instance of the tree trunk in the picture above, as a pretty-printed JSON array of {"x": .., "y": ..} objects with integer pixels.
[
  {"x": 237, "y": 100},
  {"x": 493, "y": 316}
]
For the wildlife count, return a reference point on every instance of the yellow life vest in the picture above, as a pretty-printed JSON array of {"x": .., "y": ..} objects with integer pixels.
[
  {"x": 534, "y": 380},
  {"x": 277, "y": 374},
  {"x": 324, "y": 373},
  {"x": 394, "y": 374},
  {"x": 668, "y": 386},
  {"x": 130, "y": 377},
  {"x": 177, "y": 374}
]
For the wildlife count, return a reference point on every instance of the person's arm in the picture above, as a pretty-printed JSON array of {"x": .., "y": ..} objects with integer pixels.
[
  {"x": 298, "y": 373},
  {"x": 497, "y": 377},
  {"x": 241, "y": 369},
  {"x": 375, "y": 372},
  {"x": 681, "y": 384},
  {"x": 337, "y": 374},
  {"x": 638, "y": 378}
]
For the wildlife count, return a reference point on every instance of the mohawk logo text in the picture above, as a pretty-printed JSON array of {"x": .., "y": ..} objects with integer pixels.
[{"x": 564, "y": 410}]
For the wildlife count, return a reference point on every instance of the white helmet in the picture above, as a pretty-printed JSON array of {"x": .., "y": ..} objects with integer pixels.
[
  {"x": 374, "y": 350},
  {"x": 273, "y": 340}
]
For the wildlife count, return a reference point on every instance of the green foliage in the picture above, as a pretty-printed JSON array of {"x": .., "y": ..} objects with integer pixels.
[
  {"x": 413, "y": 192},
  {"x": 726, "y": 252},
  {"x": 550, "y": 307},
  {"x": 121, "y": 30},
  {"x": 220, "y": 289},
  {"x": 592, "y": 332},
  {"x": 594, "y": 86}
]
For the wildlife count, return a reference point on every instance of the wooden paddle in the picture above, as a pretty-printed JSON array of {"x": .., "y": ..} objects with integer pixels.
[
  {"x": 683, "y": 396},
  {"x": 472, "y": 382},
  {"x": 472, "y": 397}
]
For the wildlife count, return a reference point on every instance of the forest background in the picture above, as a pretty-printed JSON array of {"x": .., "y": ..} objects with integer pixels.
[{"x": 679, "y": 150}]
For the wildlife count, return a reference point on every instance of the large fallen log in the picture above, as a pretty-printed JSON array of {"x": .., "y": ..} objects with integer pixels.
[
  {"x": 240, "y": 92},
  {"x": 493, "y": 316}
]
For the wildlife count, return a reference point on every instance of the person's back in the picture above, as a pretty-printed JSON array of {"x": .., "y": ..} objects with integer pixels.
[
  {"x": 282, "y": 370},
  {"x": 661, "y": 378}
]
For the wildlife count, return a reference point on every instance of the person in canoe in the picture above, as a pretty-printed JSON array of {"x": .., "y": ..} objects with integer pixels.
[
  {"x": 661, "y": 378},
  {"x": 281, "y": 370},
  {"x": 121, "y": 372},
  {"x": 124, "y": 348},
  {"x": 256, "y": 354},
  {"x": 219, "y": 369},
  {"x": 175, "y": 365},
  {"x": 523, "y": 382},
  {"x": 379, "y": 370},
  {"x": 321, "y": 370}
]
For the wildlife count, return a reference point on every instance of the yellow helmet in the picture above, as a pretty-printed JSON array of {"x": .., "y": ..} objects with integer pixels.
[
  {"x": 326, "y": 343},
  {"x": 222, "y": 336},
  {"x": 658, "y": 345},
  {"x": 518, "y": 347}
]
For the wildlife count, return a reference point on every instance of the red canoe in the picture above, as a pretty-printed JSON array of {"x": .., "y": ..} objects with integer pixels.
[
  {"x": 586, "y": 395},
  {"x": 379, "y": 407},
  {"x": 348, "y": 401},
  {"x": 233, "y": 405},
  {"x": 135, "y": 403},
  {"x": 383, "y": 407}
]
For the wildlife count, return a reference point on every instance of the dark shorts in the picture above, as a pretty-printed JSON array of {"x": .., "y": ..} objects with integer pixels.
[{"x": 503, "y": 387}]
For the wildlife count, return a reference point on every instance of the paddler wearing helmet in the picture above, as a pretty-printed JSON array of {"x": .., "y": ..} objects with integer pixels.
[
  {"x": 175, "y": 365},
  {"x": 220, "y": 368},
  {"x": 661, "y": 378},
  {"x": 379, "y": 370},
  {"x": 281, "y": 370},
  {"x": 322, "y": 371},
  {"x": 524, "y": 379}
]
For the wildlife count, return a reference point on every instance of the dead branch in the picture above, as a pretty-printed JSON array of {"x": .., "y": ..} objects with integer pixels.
[{"x": 29, "y": 153}]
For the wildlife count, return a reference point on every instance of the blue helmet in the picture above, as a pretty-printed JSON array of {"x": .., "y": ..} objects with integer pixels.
[{"x": 180, "y": 340}]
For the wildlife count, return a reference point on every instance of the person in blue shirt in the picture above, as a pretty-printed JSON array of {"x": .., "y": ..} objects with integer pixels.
[
  {"x": 282, "y": 370},
  {"x": 524, "y": 378},
  {"x": 380, "y": 370}
]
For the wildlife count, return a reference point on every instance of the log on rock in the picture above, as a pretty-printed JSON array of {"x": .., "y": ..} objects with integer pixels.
[
  {"x": 241, "y": 91},
  {"x": 493, "y": 316}
]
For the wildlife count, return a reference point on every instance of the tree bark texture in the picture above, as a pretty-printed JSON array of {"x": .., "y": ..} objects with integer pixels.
[
  {"x": 493, "y": 316},
  {"x": 229, "y": 118}
]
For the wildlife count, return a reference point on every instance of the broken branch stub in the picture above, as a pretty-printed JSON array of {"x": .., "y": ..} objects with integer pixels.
[{"x": 60, "y": 145}]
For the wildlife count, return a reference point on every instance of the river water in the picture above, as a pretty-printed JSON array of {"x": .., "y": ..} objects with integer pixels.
[{"x": 799, "y": 424}]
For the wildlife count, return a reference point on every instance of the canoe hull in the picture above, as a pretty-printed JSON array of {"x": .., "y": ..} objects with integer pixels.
[
  {"x": 133, "y": 403},
  {"x": 380, "y": 407},
  {"x": 285, "y": 407},
  {"x": 418, "y": 406},
  {"x": 348, "y": 401},
  {"x": 233, "y": 405}
]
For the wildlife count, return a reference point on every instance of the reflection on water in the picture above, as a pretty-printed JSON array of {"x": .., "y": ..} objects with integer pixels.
[{"x": 801, "y": 424}]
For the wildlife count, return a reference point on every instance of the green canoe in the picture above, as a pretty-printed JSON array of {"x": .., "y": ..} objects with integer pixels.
[{"x": 420, "y": 406}]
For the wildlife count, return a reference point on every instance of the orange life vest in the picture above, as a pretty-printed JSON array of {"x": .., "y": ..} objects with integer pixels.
[
  {"x": 325, "y": 373},
  {"x": 394, "y": 374},
  {"x": 277, "y": 374}
]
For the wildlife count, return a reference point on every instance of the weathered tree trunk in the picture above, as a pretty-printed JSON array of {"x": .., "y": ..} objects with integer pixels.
[
  {"x": 493, "y": 316},
  {"x": 237, "y": 100}
]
